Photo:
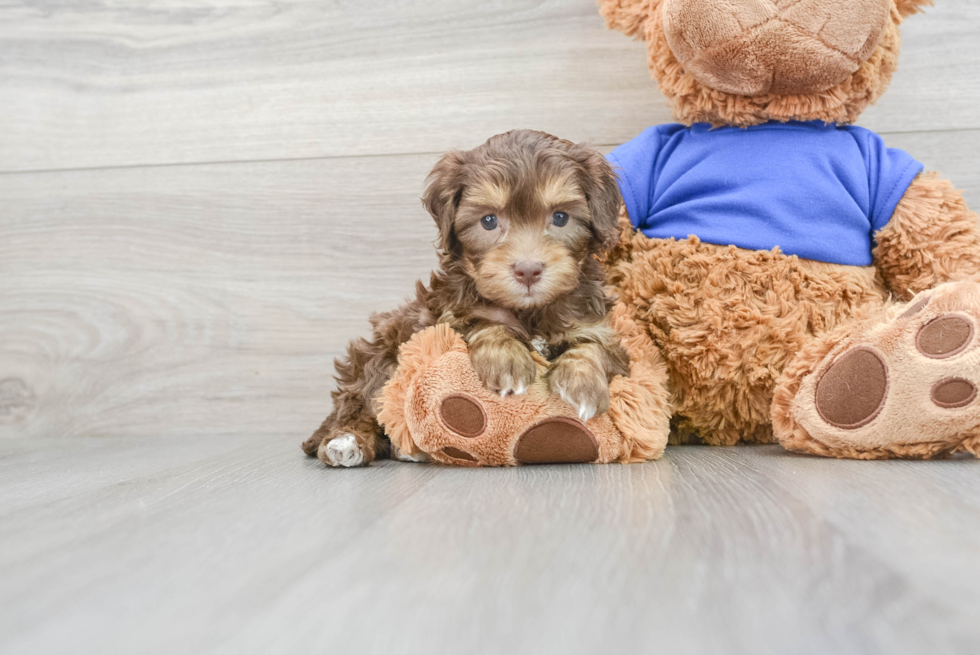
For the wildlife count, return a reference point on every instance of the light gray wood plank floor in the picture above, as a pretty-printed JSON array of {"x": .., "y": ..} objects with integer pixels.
[
  {"x": 241, "y": 545},
  {"x": 201, "y": 201}
]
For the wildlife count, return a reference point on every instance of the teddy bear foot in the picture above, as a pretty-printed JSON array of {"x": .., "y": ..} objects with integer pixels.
[
  {"x": 556, "y": 440},
  {"x": 902, "y": 383},
  {"x": 437, "y": 407},
  {"x": 475, "y": 432}
]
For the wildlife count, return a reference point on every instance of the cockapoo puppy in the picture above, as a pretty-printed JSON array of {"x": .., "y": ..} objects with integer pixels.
[{"x": 522, "y": 219}]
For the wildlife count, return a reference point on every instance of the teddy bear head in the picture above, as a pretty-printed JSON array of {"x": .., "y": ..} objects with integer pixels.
[{"x": 745, "y": 62}]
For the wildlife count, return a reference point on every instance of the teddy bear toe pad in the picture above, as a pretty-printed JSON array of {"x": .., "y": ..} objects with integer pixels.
[
  {"x": 944, "y": 336},
  {"x": 456, "y": 453},
  {"x": 952, "y": 393},
  {"x": 557, "y": 440},
  {"x": 463, "y": 415},
  {"x": 852, "y": 391},
  {"x": 903, "y": 384}
]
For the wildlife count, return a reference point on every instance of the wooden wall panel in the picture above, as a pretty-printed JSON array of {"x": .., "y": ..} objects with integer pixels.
[{"x": 107, "y": 83}]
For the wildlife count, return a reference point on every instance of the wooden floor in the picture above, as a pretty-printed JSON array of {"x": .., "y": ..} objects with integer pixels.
[
  {"x": 202, "y": 200},
  {"x": 239, "y": 545}
]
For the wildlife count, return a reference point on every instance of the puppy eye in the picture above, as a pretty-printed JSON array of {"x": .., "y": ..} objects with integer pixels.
[
  {"x": 559, "y": 219},
  {"x": 489, "y": 222}
]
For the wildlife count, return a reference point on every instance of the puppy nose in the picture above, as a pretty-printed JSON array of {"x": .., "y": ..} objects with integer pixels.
[{"x": 528, "y": 272}]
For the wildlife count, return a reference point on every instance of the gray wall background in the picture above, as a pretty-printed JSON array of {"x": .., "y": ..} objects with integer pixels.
[{"x": 202, "y": 201}]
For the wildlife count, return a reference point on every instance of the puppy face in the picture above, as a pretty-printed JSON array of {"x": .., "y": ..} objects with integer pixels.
[{"x": 521, "y": 214}]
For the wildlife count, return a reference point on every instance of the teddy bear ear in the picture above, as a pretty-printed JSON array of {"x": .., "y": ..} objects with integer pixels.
[
  {"x": 908, "y": 7},
  {"x": 629, "y": 16}
]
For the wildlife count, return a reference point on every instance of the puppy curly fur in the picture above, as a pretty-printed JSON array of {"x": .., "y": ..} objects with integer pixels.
[{"x": 521, "y": 180}]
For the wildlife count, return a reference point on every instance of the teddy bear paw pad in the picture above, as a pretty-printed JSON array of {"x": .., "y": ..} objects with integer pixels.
[
  {"x": 557, "y": 441},
  {"x": 463, "y": 415},
  {"x": 852, "y": 391},
  {"x": 903, "y": 384},
  {"x": 944, "y": 336},
  {"x": 953, "y": 392},
  {"x": 456, "y": 453}
]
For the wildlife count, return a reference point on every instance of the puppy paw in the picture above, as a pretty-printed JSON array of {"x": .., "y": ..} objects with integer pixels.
[
  {"x": 343, "y": 451},
  {"x": 504, "y": 367},
  {"x": 581, "y": 383}
]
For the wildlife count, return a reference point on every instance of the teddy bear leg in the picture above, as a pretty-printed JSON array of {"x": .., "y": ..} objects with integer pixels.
[
  {"x": 464, "y": 423},
  {"x": 436, "y": 405},
  {"x": 900, "y": 383}
]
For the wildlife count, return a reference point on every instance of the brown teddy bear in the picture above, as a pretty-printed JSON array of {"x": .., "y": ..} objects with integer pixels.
[
  {"x": 782, "y": 275},
  {"x": 804, "y": 283}
]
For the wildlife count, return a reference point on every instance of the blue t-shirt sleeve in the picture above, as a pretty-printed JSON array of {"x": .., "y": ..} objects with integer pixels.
[
  {"x": 890, "y": 172},
  {"x": 634, "y": 164}
]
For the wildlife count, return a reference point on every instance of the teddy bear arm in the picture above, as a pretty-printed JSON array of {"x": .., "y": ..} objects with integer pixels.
[{"x": 932, "y": 238}]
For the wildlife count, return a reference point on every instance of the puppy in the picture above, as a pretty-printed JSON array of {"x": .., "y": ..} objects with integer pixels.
[{"x": 521, "y": 221}]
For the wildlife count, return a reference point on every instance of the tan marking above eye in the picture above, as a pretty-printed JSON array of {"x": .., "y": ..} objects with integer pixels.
[
  {"x": 487, "y": 195},
  {"x": 558, "y": 191}
]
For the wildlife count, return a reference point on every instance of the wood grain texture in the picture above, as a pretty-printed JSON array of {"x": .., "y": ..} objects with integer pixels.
[
  {"x": 192, "y": 300},
  {"x": 110, "y": 83},
  {"x": 239, "y": 545}
]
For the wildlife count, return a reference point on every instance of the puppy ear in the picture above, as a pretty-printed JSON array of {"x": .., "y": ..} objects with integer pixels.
[
  {"x": 628, "y": 16},
  {"x": 443, "y": 191},
  {"x": 908, "y": 7},
  {"x": 602, "y": 193}
]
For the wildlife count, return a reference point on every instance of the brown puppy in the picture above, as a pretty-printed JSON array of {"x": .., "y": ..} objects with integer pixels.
[{"x": 521, "y": 220}]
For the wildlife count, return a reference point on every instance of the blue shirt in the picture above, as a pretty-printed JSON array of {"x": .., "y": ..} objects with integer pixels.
[{"x": 816, "y": 190}]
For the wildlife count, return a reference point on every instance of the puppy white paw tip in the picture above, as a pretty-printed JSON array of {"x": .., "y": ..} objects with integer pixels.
[
  {"x": 344, "y": 452},
  {"x": 585, "y": 412}
]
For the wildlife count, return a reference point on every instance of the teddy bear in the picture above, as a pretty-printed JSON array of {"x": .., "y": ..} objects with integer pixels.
[
  {"x": 804, "y": 283},
  {"x": 782, "y": 276}
]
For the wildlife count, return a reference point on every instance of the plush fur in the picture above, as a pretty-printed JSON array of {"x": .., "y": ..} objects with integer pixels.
[
  {"x": 931, "y": 239},
  {"x": 746, "y": 335},
  {"x": 728, "y": 321},
  {"x": 693, "y": 102},
  {"x": 435, "y": 369},
  {"x": 522, "y": 220},
  {"x": 735, "y": 47}
]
